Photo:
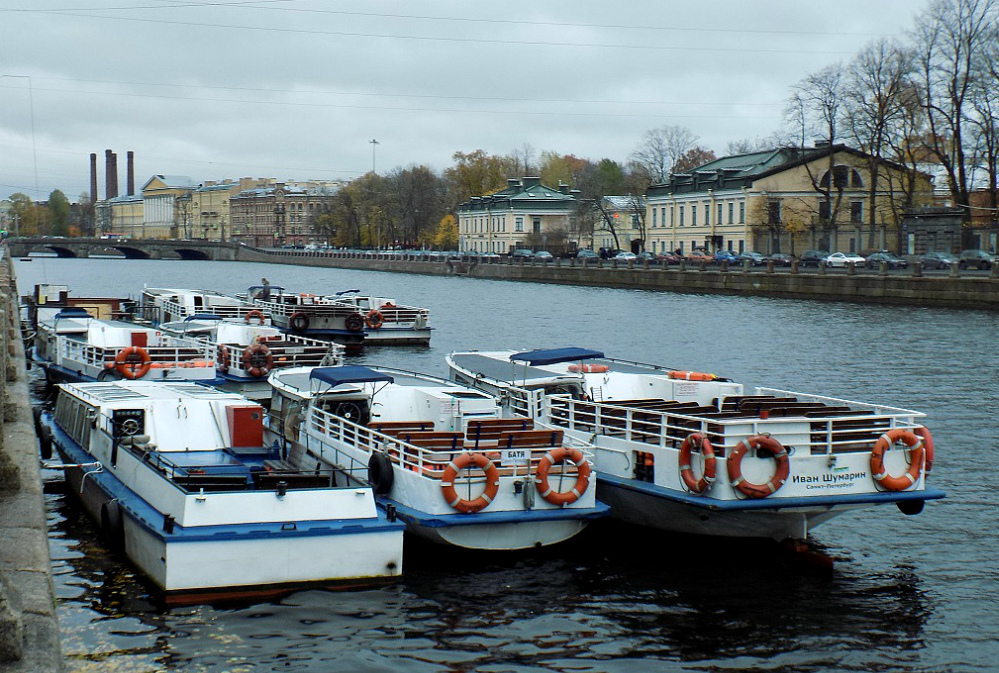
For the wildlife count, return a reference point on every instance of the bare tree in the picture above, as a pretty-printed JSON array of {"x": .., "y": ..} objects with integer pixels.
[
  {"x": 661, "y": 149},
  {"x": 872, "y": 101},
  {"x": 948, "y": 37},
  {"x": 985, "y": 102},
  {"x": 816, "y": 109}
]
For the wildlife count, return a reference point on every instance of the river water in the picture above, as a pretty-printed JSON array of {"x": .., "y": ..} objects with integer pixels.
[{"x": 915, "y": 594}]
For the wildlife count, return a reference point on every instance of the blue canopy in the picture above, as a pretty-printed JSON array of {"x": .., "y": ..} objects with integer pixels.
[
  {"x": 347, "y": 374},
  {"x": 73, "y": 312},
  {"x": 553, "y": 355},
  {"x": 202, "y": 316}
]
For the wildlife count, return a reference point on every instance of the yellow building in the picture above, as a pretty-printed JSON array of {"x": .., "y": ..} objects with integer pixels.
[
  {"x": 526, "y": 214},
  {"x": 122, "y": 215},
  {"x": 208, "y": 215},
  {"x": 165, "y": 199},
  {"x": 783, "y": 200}
]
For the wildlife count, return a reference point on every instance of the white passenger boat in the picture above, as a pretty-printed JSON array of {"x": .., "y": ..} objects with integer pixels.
[
  {"x": 180, "y": 480},
  {"x": 162, "y": 305},
  {"x": 247, "y": 350},
  {"x": 692, "y": 452},
  {"x": 72, "y": 346},
  {"x": 353, "y": 322},
  {"x": 439, "y": 455},
  {"x": 387, "y": 322}
]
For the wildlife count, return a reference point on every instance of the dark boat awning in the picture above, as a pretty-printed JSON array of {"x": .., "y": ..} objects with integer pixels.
[
  {"x": 202, "y": 316},
  {"x": 552, "y": 355},
  {"x": 73, "y": 312},
  {"x": 348, "y": 374}
]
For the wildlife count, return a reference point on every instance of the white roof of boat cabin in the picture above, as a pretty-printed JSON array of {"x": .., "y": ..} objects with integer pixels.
[
  {"x": 298, "y": 379},
  {"x": 133, "y": 391},
  {"x": 498, "y": 366}
]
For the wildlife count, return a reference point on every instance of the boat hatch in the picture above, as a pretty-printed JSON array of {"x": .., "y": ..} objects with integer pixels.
[
  {"x": 202, "y": 316},
  {"x": 552, "y": 356},
  {"x": 72, "y": 313}
]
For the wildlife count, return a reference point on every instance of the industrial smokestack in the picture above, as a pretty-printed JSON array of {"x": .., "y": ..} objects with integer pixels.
[
  {"x": 131, "y": 173},
  {"x": 114, "y": 171},
  {"x": 93, "y": 177},
  {"x": 108, "y": 182}
]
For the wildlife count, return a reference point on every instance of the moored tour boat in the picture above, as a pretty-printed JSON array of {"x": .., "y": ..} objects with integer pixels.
[
  {"x": 178, "y": 477},
  {"x": 310, "y": 315},
  {"x": 438, "y": 454},
  {"x": 247, "y": 350},
  {"x": 388, "y": 323},
  {"x": 692, "y": 452},
  {"x": 72, "y": 346},
  {"x": 163, "y": 305}
]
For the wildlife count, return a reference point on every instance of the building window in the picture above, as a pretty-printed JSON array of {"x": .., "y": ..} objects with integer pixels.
[
  {"x": 742, "y": 212},
  {"x": 536, "y": 223},
  {"x": 654, "y": 214},
  {"x": 731, "y": 213},
  {"x": 824, "y": 211},
  {"x": 693, "y": 215},
  {"x": 671, "y": 221},
  {"x": 681, "y": 216},
  {"x": 664, "y": 216},
  {"x": 856, "y": 212},
  {"x": 707, "y": 214},
  {"x": 520, "y": 224},
  {"x": 718, "y": 220}
]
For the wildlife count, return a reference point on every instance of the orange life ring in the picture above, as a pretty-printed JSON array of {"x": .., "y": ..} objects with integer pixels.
[
  {"x": 924, "y": 434},
  {"x": 582, "y": 476},
  {"x": 770, "y": 445},
  {"x": 257, "y": 360},
  {"x": 451, "y": 472},
  {"x": 589, "y": 369},
  {"x": 374, "y": 319},
  {"x": 259, "y": 315},
  {"x": 916, "y": 460},
  {"x": 223, "y": 358},
  {"x": 691, "y": 376},
  {"x": 686, "y": 454},
  {"x": 133, "y": 362}
]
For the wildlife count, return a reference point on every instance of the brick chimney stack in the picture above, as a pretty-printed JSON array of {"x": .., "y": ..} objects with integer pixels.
[
  {"x": 108, "y": 182},
  {"x": 93, "y": 177},
  {"x": 114, "y": 171},
  {"x": 131, "y": 173}
]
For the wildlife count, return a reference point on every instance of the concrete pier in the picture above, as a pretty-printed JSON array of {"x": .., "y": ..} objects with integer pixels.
[{"x": 29, "y": 629}]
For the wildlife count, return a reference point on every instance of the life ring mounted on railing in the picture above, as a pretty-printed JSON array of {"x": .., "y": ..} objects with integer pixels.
[
  {"x": 702, "y": 442},
  {"x": 354, "y": 322},
  {"x": 771, "y": 446},
  {"x": 133, "y": 362},
  {"x": 257, "y": 360},
  {"x": 223, "y": 358},
  {"x": 299, "y": 322},
  {"x": 461, "y": 462},
  {"x": 691, "y": 376},
  {"x": 588, "y": 369},
  {"x": 917, "y": 458},
  {"x": 374, "y": 319},
  {"x": 554, "y": 457},
  {"x": 259, "y": 315}
]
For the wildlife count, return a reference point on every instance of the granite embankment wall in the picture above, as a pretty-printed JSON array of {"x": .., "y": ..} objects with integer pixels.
[
  {"x": 951, "y": 290},
  {"x": 29, "y": 630}
]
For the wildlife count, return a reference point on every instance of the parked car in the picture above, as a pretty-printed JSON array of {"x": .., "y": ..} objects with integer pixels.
[
  {"x": 938, "y": 260},
  {"x": 754, "y": 258},
  {"x": 699, "y": 254},
  {"x": 646, "y": 256},
  {"x": 781, "y": 259},
  {"x": 976, "y": 258},
  {"x": 543, "y": 256},
  {"x": 812, "y": 258},
  {"x": 586, "y": 253},
  {"x": 726, "y": 256},
  {"x": 894, "y": 261},
  {"x": 625, "y": 256},
  {"x": 842, "y": 259},
  {"x": 670, "y": 258},
  {"x": 526, "y": 253}
]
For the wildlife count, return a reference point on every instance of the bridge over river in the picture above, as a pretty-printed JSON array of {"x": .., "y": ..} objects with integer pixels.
[{"x": 129, "y": 248}]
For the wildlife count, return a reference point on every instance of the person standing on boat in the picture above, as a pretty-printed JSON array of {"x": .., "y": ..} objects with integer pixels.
[{"x": 265, "y": 291}]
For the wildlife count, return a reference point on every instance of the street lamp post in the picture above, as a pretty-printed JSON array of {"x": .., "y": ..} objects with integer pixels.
[{"x": 374, "y": 143}]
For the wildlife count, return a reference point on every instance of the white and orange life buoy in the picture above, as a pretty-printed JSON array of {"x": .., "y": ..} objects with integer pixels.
[
  {"x": 374, "y": 319},
  {"x": 917, "y": 456},
  {"x": 693, "y": 484},
  {"x": 924, "y": 434},
  {"x": 133, "y": 362},
  {"x": 259, "y": 315},
  {"x": 257, "y": 360},
  {"x": 771, "y": 446},
  {"x": 691, "y": 376},
  {"x": 223, "y": 358},
  {"x": 589, "y": 369},
  {"x": 552, "y": 458},
  {"x": 461, "y": 462}
]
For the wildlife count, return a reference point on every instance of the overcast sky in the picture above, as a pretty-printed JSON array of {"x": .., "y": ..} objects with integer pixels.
[{"x": 297, "y": 89}]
